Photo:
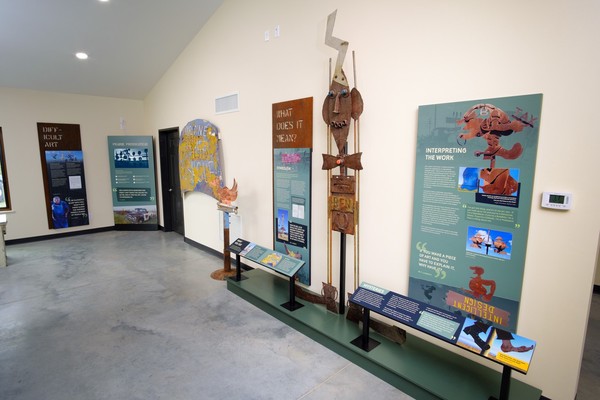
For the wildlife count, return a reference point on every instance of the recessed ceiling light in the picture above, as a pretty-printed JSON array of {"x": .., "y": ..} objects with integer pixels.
[
  {"x": 81, "y": 56},
  {"x": 104, "y": 1}
]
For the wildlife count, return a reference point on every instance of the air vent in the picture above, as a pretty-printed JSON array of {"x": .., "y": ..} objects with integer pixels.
[{"x": 227, "y": 104}]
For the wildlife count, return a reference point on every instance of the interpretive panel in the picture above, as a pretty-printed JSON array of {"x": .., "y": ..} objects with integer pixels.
[
  {"x": 292, "y": 161},
  {"x": 416, "y": 314},
  {"x": 131, "y": 160},
  {"x": 472, "y": 200},
  {"x": 482, "y": 338},
  {"x": 64, "y": 177},
  {"x": 274, "y": 260}
]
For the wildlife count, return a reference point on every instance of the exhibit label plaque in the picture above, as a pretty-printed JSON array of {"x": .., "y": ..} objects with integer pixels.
[
  {"x": 274, "y": 260},
  {"x": 478, "y": 337}
]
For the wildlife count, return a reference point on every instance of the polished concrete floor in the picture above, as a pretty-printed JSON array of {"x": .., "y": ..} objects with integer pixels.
[
  {"x": 135, "y": 315},
  {"x": 589, "y": 377}
]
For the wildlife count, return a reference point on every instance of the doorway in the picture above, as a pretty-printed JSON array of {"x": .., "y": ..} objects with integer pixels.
[{"x": 169, "y": 177}]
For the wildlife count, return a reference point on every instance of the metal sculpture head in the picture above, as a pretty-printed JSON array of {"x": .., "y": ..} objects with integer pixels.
[
  {"x": 341, "y": 103},
  {"x": 339, "y": 106}
]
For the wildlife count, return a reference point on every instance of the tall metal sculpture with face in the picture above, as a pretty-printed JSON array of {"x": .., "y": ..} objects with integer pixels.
[{"x": 340, "y": 106}]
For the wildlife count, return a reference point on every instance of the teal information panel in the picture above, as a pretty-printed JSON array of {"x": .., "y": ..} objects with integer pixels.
[
  {"x": 131, "y": 160},
  {"x": 474, "y": 171},
  {"x": 292, "y": 191},
  {"x": 291, "y": 175}
]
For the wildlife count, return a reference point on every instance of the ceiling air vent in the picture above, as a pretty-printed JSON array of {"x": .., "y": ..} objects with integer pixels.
[{"x": 227, "y": 104}]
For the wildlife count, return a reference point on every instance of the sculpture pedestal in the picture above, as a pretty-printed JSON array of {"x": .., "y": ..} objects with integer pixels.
[
  {"x": 226, "y": 272},
  {"x": 2, "y": 244},
  {"x": 222, "y": 274}
]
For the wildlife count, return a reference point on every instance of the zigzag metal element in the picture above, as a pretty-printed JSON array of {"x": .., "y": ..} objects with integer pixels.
[{"x": 340, "y": 45}]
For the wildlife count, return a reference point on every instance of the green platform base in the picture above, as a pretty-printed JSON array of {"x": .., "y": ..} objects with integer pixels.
[{"x": 418, "y": 368}]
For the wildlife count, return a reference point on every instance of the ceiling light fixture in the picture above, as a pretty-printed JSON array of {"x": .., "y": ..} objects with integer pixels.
[{"x": 81, "y": 56}]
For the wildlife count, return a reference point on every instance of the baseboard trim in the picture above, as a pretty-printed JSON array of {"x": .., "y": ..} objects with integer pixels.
[
  {"x": 215, "y": 253},
  {"x": 187, "y": 240},
  {"x": 59, "y": 235},
  {"x": 136, "y": 227}
]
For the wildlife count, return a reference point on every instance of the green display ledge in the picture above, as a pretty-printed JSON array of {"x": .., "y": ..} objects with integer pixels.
[{"x": 418, "y": 368}]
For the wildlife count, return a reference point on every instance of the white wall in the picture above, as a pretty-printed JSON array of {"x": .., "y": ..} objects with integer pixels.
[
  {"x": 409, "y": 53},
  {"x": 98, "y": 117}
]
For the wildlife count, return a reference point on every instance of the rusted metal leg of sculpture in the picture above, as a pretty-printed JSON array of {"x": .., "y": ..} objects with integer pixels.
[
  {"x": 392, "y": 332},
  {"x": 357, "y": 197},
  {"x": 327, "y": 297},
  {"x": 329, "y": 292},
  {"x": 342, "y": 301}
]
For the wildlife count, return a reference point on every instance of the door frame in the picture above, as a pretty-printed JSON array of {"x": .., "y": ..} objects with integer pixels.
[{"x": 165, "y": 173}]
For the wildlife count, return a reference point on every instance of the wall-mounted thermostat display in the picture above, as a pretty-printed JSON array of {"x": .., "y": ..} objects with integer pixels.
[{"x": 558, "y": 201}]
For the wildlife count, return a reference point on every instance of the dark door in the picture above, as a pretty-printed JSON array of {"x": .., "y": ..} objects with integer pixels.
[{"x": 169, "y": 171}]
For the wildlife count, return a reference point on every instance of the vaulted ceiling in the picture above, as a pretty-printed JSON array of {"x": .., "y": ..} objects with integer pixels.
[{"x": 130, "y": 43}]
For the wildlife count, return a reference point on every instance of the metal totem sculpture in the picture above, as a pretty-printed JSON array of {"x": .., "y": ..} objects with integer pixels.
[{"x": 341, "y": 106}]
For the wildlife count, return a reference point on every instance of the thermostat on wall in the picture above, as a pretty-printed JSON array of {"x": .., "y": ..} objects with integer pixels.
[{"x": 558, "y": 201}]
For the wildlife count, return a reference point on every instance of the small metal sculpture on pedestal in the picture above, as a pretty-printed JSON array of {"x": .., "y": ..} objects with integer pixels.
[{"x": 226, "y": 197}]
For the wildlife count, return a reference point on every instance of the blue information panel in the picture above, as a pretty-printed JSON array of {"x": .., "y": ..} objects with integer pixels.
[
  {"x": 474, "y": 335},
  {"x": 272, "y": 259}
]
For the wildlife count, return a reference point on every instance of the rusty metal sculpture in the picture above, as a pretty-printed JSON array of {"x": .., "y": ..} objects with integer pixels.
[
  {"x": 225, "y": 197},
  {"x": 340, "y": 107}
]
